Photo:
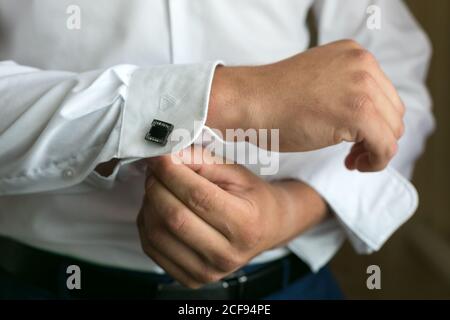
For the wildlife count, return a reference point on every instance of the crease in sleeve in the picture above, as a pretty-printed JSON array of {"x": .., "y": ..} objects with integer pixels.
[{"x": 57, "y": 158}]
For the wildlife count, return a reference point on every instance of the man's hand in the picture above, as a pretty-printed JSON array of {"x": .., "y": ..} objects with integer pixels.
[
  {"x": 202, "y": 222},
  {"x": 326, "y": 95}
]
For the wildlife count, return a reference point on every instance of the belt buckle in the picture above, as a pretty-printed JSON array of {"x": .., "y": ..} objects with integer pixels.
[{"x": 239, "y": 278}]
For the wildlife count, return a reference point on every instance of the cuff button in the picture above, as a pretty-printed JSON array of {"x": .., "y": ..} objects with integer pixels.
[{"x": 159, "y": 132}]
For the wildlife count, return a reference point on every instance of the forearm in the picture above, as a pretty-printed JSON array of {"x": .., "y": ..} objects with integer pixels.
[{"x": 300, "y": 208}]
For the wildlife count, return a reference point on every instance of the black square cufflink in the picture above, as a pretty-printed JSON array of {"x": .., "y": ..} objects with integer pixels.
[{"x": 159, "y": 132}]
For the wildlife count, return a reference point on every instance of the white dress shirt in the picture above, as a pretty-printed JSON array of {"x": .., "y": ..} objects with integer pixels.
[{"x": 73, "y": 98}]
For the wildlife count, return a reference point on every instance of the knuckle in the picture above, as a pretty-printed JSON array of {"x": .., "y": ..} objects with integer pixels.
[
  {"x": 175, "y": 219},
  {"x": 345, "y": 133},
  {"x": 227, "y": 262},
  {"x": 362, "y": 55},
  {"x": 201, "y": 198},
  {"x": 208, "y": 275}
]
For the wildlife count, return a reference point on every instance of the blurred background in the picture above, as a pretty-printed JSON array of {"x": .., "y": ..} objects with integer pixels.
[{"x": 415, "y": 262}]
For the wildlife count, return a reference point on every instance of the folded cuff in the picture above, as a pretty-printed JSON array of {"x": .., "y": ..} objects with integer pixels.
[
  {"x": 370, "y": 206},
  {"x": 176, "y": 94}
]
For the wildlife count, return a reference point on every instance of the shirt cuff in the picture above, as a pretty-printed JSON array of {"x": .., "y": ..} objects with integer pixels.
[
  {"x": 369, "y": 206},
  {"x": 177, "y": 94},
  {"x": 319, "y": 244}
]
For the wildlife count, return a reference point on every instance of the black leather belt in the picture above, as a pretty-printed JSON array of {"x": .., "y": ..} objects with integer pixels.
[{"x": 47, "y": 271}]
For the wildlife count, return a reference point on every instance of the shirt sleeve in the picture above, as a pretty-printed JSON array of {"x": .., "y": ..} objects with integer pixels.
[
  {"x": 369, "y": 207},
  {"x": 57, "y": 126}
]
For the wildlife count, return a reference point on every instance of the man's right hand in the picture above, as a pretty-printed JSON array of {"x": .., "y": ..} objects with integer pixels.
[{"x": 326, "y": 95}]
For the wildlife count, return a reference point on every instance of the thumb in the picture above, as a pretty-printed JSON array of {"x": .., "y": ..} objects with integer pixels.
[{"x": 213, "y": 168}]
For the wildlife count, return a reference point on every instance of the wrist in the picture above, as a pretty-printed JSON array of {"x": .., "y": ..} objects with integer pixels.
[
  {"x": 283, "y": 210},
  {"x": 300, "y": 208},
  {"x": 233, "y": 99}
]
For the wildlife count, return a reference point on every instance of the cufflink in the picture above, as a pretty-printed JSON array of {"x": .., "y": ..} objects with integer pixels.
[{"x": 159, "y": 132}]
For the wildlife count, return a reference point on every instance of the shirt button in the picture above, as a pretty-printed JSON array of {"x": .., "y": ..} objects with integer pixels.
[{"x": 68, "y": 173}]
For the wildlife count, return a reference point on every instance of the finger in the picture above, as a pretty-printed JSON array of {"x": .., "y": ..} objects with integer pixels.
[
  {"x": 379, "y": 141},
  {"x": 213, "y": 168},
  {"x": 356, "y": 150},
  {"x": 204, "y": 198},
  {"x": 380, "y": 77},
  {"x": 387, "y": 110},
  {"x": 389, "y": 89},
  {"x": 186, "y": 258},
  {"x": 188, "y": 227},
  {"x": 171, "y": 268}
]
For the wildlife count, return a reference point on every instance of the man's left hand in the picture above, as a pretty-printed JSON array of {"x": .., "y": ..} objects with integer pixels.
[{"x": 202, "y": 222}]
